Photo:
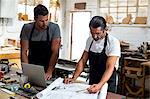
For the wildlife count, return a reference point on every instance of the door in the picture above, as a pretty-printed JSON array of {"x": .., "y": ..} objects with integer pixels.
[{"x": 79, "y": 33}]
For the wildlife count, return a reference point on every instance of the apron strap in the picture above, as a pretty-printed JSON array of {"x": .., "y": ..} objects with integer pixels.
[
  {"x": 31, "y": 32},
  {"x": 47, "y": 31},
  {"x": 105, "y": 43},
  {"x": 91, "y": 45}
]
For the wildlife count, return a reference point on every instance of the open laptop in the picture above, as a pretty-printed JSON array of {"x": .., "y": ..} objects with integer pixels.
[{"x": 36, "y": 74}]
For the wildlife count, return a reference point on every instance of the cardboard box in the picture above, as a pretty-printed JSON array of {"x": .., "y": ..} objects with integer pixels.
[{"x": 140, "y": 20}]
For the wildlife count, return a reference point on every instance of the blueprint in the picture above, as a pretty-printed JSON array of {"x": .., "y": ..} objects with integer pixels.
[{"x": 59, "y": 90}]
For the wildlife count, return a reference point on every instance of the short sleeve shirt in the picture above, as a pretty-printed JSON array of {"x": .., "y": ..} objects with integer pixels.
[
  {"x": 54, "y": 32},
  {"x": 112, "y": 48}
]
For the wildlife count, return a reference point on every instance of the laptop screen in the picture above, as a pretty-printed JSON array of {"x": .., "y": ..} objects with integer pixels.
[{"x": 35, "y": 73}]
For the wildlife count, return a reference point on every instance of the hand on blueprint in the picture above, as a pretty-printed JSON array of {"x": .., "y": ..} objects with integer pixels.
[
  {"x": 68, "y": 80},
  {"x": 94, "y": 88},
  {"x": 48, "y": 75}
]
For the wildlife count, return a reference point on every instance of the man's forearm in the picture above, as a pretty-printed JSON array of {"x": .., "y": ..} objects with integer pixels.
[
  {"x": 106, "y": 76},
  {"x": 77, "y": 73},
  {"x": 24, "y": 58},
  {"x": 53, "y": 61},
  {"x": 110, "y": 65},
  {"x": 79, "y": 69}
]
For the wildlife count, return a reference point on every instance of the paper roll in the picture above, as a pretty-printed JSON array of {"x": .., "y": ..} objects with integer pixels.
[
  {"x": 103, "y": 92},
  {"x": 49, "y": 88}
]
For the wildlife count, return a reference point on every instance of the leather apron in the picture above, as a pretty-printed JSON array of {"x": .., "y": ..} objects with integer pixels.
[
  {"x": 39, "y": 51},
  {"x": 97, "y": 62}
]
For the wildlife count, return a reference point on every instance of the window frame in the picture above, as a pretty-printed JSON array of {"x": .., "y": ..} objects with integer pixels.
[{"x": 128, "y": 6}]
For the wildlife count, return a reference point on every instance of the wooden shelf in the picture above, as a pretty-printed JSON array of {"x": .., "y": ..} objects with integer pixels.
[
  {"x": 129, "y": 25},
  {"x": 10, "y": 54}
]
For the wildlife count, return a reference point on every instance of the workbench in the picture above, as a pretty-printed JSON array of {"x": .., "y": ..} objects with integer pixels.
[
  {"x": 134, "y": 75},
  {"x": 9, "y": 54},
  {"x": 5, "y": 95},
  {"x": 13, "y": 55}
]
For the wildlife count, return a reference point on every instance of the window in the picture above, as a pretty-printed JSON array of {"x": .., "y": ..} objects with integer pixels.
[{"x": 119, "y": 9}]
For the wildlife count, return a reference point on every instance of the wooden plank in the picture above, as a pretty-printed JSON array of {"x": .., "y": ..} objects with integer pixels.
[
  {"x": 146, "y": 63},
  {"x": 11, "y": 54},
  {"x": 133, "y": 68},
  {"x": 135, "y": 59}
]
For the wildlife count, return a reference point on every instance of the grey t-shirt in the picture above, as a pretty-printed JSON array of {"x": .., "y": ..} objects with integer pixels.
[{"x": 54, "y": 32}]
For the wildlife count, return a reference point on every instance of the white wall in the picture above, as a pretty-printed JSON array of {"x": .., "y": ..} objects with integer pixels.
[{"x": 135, "y": 35}]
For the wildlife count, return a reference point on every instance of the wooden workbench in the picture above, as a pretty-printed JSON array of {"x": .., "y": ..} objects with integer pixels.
[
  {"x": 9, "y": 54},
  {"x": 5, "y": 95},
  {"x": 12, "y": 55},
  {"x": 133, "y": 76}
]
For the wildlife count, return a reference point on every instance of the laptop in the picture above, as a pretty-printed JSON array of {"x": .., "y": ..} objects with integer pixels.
[{"x": 36, "y": 74}]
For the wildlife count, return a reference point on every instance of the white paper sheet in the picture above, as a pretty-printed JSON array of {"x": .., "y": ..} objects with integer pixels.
[
  {"x": 46, "y": 91},
  {"x": 59, "y": 90},
  {"x": 103, "y": 93}
]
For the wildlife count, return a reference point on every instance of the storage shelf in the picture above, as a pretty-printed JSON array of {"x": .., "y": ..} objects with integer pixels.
[{"x": 129, "y": 25}]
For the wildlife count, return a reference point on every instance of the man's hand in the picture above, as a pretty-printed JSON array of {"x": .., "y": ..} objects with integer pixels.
[
  {"x": 94, "y": 88},
  {"x": 48, "y": 75},
  {"x": 68, "y": 80}
]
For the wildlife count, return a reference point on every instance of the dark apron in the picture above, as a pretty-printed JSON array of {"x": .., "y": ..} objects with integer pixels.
[
  {"x": 97, "y": 62},
  {"x": 39, "y": 51}
]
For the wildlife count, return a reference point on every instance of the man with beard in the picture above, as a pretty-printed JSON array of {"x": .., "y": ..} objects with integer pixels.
[
  {"x": 40, "y": 41},
  {"x": 103, "y": 52}
]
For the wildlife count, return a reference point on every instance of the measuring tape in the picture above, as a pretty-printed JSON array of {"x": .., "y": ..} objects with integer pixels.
[{"x": 27, "y": 86}]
